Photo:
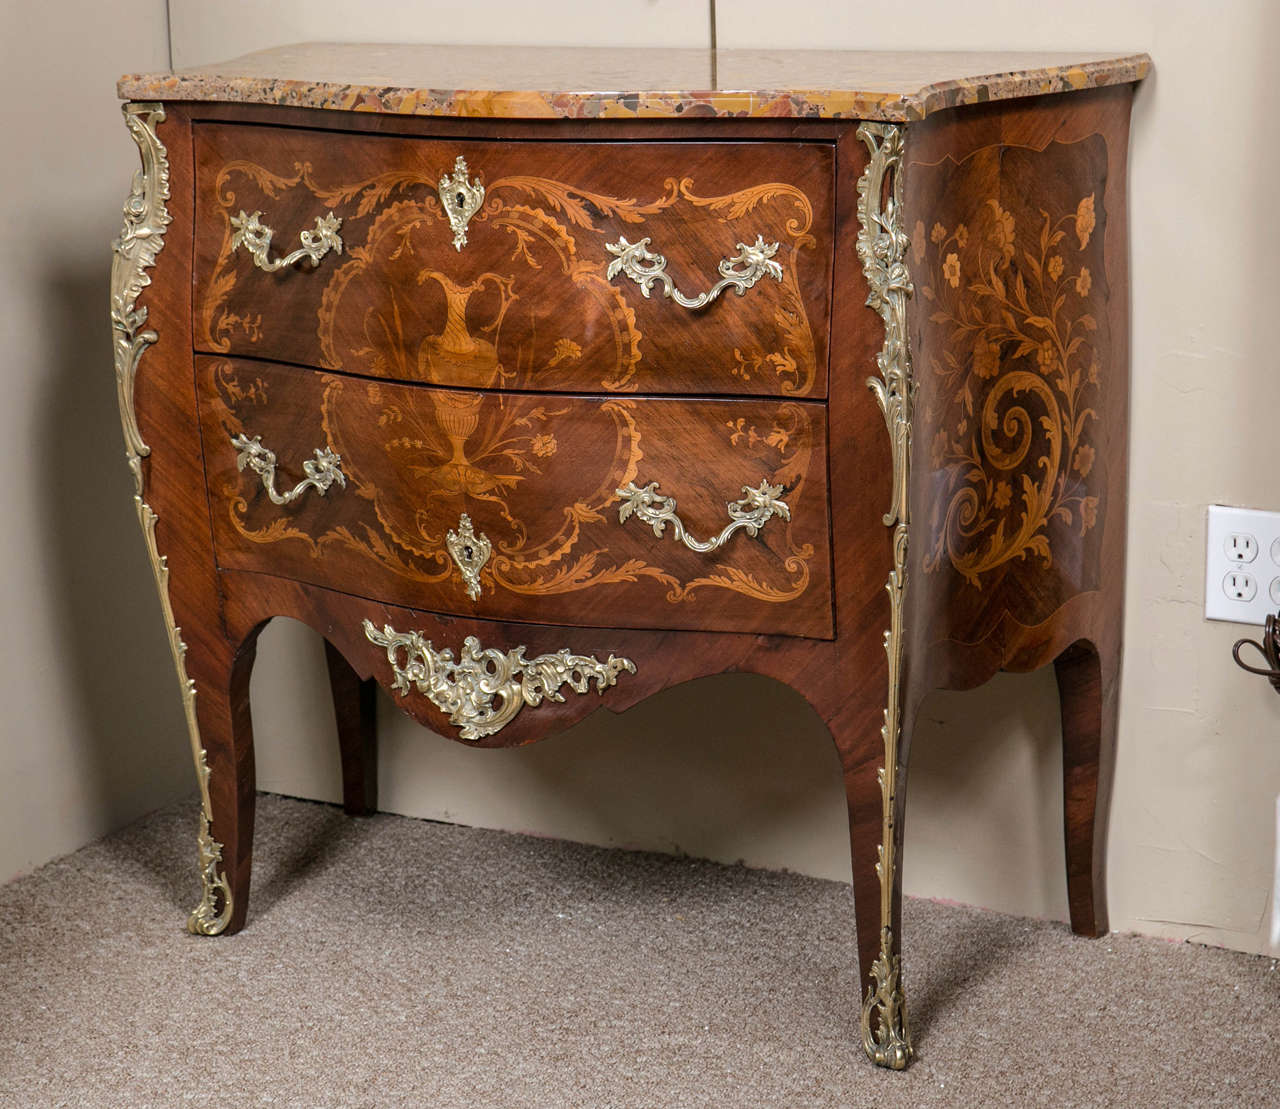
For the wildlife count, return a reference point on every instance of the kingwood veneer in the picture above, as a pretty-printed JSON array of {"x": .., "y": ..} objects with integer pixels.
[{"x": 534, "y": 401}]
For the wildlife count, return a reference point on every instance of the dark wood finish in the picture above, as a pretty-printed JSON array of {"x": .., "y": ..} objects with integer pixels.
[
  {"x": 539, "y": 477},
  {"x": 965, "y": 620},
  {"x": 863, "y": 555},
  {"x": 355, "y": 710},
  {"x": 666, "y": 658},
  {"x": 1019, "y": 467},
  {"x": 226, "y": 730},
  {"x": 1089, "y": 688},
  {"x": 526, "y": 303}
]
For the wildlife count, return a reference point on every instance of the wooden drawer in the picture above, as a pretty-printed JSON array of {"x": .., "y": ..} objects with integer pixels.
[
  {"x": 546, "y": 291},
  {"x": 538, "y": 479}
]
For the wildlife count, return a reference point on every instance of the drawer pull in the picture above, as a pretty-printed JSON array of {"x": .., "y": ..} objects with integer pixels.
[
  {"x": 470, "y": 551},
  {"x": 738, "y": 273},
  {"x": 757, "y": 507},
  {"x": 460, "y": 199},
  {"x": 256, "y": 239},
  {"x": 485, "y": 689},
  {"x": 322, "y": 471}
]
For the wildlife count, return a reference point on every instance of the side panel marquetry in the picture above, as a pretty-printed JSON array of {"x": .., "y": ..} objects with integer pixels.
[
  {"x": 487, "y": 265},
  {"x": 509, "y": 505},
  {"x": 1014, "y": 368}
]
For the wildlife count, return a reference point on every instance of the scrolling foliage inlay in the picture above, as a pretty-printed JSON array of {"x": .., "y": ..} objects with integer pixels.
[
  {"x": 546, "y": 245},
  {"x": 539, "y": 476},
  {"x": 528, "y": 302},
  {"x": 1015, "y": 332}
]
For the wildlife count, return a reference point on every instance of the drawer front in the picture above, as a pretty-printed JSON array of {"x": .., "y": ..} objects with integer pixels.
[
  {"x": 583, "y": 267},
  {"x": 577, "y": 510}
]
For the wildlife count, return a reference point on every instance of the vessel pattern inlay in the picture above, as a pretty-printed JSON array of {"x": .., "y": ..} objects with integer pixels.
[
  {"x": 463, "y": 453},
  {"x": 553, "y": 238}
]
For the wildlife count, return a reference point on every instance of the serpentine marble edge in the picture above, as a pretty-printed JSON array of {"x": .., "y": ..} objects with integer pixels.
[{"x": 598, "y": 83}]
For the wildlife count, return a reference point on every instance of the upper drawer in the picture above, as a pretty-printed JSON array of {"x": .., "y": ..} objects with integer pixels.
[{"x": 548, "y": 290}]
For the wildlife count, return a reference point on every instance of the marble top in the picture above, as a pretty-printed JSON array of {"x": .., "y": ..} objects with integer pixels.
[{"x": 518, "y": 82}]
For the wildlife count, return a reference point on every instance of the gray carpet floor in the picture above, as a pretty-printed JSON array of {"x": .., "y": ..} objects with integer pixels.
[{"x": 396, "y": 962}]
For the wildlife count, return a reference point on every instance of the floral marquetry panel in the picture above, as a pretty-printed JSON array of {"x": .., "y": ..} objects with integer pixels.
[
  {"x": 488, "y": 265},
  {"x": 1011, "y": 316},
  {"x": 547, "y": 536}
]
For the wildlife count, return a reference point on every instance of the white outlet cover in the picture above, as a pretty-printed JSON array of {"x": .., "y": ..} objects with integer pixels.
[{"x": 1264, "y": 568}]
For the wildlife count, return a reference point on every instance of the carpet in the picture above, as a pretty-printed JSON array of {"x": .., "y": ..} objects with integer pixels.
[{"x": 398, "y": 962}]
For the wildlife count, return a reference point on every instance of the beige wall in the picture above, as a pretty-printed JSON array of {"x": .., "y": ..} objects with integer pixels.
[
  {"x": 209, "y": 31},
  {"x": 734, "y": 767},
  {"x": 90, "y": 724}
]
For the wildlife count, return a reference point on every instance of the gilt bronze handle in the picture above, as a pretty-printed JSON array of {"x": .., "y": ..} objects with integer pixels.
[
  {"x": 249, "y": 232},
  {"x": 322, "y": 471},
  {"x": 738, "y": 273},
  {"x": 757, "y": 507}
]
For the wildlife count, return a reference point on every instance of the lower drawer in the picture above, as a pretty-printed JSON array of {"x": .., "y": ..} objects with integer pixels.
[{"x": 560, "y": 509}]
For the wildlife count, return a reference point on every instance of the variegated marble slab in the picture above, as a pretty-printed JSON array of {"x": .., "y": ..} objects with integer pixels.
[{"x": 519, "y": 82}]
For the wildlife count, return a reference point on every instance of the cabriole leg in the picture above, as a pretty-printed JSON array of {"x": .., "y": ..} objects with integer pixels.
[
  {"x": 1087, "y": 687},
  {"x": 226, "y": 842},
  {"x": 222, "y": 843},
  {"x": 877, "y": 896},
  {"x": 354, "y": 704}
]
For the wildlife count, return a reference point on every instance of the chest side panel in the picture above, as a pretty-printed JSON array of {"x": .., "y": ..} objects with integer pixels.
[{"x": 1019, "y": 333}]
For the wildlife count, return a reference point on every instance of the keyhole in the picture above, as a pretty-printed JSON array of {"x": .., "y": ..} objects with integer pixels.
[
  {"x": 468, "y": 553},
  {"x": 462, "y": 200}
]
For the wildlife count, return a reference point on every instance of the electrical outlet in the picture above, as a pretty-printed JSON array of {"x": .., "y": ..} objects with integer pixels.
[
  {"x": 1239, "y": 586},
  {"x": 1242, "y": 547},
  {"x": 1242, "y": 565}
]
